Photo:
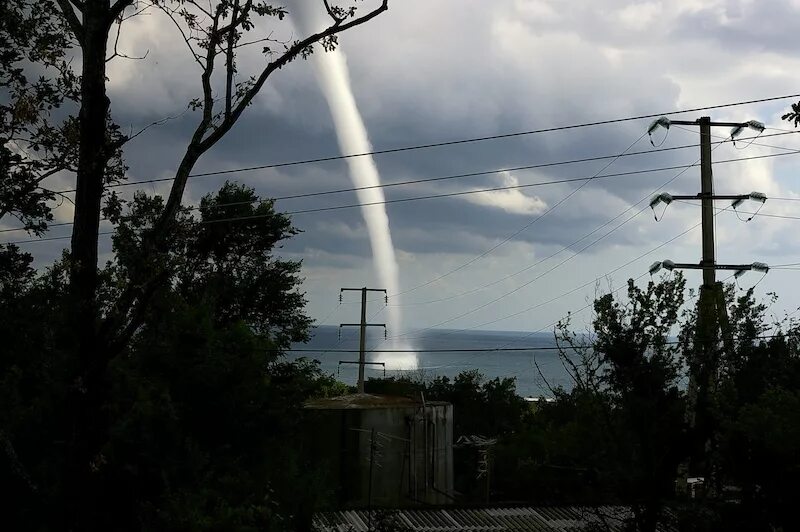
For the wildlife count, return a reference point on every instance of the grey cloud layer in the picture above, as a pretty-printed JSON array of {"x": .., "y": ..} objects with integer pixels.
[{"x": 433, "y": 71}]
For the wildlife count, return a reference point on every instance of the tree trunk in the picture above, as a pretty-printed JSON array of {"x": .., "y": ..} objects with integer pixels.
[
  {"x": 91, "y": 165},
  {"x": 89, "y": 387}
]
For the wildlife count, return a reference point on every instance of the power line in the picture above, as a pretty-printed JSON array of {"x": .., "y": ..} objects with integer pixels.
[
  {"x": 754, "y": 214},
  {"x": 751, "y": 139},
  {"x": 691, "y": 296},
  {"x": 520, "y": 287},
  {"x": 575, "y": 254},
  {"x": 589, "y": 283},
  {"x": 329, "y": 314},
  {"x": 524, "y": 227},
  {"x": 51, "y": 238},
  {"x": 515, "y": 187},
  {"x": 444, "y": 178},
  {"x": 477, "y": 139},
  {"x": 473, "y": 174},
  {"x": 539, "y": 305},
  {"x": 570, "y": 292},
  {"x": 507, "y": 239},
  {"x": 464, "y": 175},
  {"x": 459, "y": 193},
  {"x": 589, "y": 305},
  {"x": 453, "y": 350},
  {"x": 768, "y": 215},
  {"x": 414, "y": 198},
  {"x": 415, "y": 181},
  {"x": 569, "y": 313},
  {"x": 468, "y": 349},
  {"x": 399, "y": 200},
  {"x": 628, "y": 209}
]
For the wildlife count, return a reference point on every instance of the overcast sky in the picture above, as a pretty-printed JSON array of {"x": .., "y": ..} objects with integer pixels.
[{"x": 427, "y": 72}]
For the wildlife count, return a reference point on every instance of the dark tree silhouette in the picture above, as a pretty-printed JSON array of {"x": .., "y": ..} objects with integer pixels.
[{"x": 59, "y": 119}]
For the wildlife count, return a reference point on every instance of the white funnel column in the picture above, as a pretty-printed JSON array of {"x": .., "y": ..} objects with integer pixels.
[{"x": 332, "y": 73}]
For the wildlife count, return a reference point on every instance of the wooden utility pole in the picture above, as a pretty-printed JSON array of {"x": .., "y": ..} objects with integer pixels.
[
  {"x": 362, "y": 343},
  {"x": 712, "y": 311},
  {"x": 707, "y": 203},
  {"x": 706, "y": 196}
]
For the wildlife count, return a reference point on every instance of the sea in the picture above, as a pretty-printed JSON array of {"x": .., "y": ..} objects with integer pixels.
[{"x": 336, "y": 355}]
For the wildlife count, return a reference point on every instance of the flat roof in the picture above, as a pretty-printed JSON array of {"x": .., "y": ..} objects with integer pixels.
[{"x": 366, "y": 400}]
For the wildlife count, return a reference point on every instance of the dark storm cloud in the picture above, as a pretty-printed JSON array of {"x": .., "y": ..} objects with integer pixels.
[
  {"x": 475, "y": 72},
  {"x": 426, "y": 226},
  {"x": 265, "y": 138},
  {"x": 304, "y": 131},
  {"x": 743, "y": 26}
]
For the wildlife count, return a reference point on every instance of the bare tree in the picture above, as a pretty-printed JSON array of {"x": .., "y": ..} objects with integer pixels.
[
  {"x": 213, "y": 35},
  {"x": 214, "y": 31}
]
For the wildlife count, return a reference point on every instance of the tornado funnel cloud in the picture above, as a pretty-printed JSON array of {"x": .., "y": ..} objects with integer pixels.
[{"x": 332, "y": 73}]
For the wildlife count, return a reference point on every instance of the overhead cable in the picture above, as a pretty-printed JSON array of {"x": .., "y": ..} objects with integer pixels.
[{"x": 482, "y": 139}]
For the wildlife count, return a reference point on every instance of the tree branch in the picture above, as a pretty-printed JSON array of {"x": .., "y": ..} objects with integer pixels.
[
  {"x": 136, "y": 13},
  {"x": 541, "y": 375},
  {"x": 205, "y": 11},
  {"x": 337, "y": 19},
  {"x": 268, "y": 38},
  {"x": 159, "y": 122},
  {"x": 68, "y": 11},
  {"x": 200, "y": 145},
  {"x": 230, "y": 65},
  {"x": 186, "y": 38},
  {"x": 208, "y": 70},
  {"x": 116, "y": 43},
  {"x": 137, "y": 316},
  {"x": 117, "y": 9},
  {"x": 236, "y": 20},
  {"x": 50, "y": 172},
  {"x": 279, "y": 63},
  {"x": 57, "y": 193}
]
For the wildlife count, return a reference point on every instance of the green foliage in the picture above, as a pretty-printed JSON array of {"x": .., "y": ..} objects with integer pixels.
[
  {"x": 85, "y": 406},
  {"x": 484, "y": 407},
  {"x": 205, "y": 412},
  {"x": 38, "y": 126},
  {"x": 488, "y": 408},
  {"x": 330, "y": 387},
  {"x": 32, "y": 33},
  {"x": 560, "y": 454},
  {"x": 201, "y": 402},
  {"x": 617, "y": 435},
  {"x": 793, "y": 115},
  {"x": 224, "y": 259},
  {"x": 33, "y": 389}
]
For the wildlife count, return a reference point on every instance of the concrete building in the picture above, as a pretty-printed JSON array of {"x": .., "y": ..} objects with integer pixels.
[{"x": 383, "y": 451}]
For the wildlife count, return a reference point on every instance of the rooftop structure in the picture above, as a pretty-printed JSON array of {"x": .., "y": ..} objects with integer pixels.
[
  {"x": 362, "y": 401},
  {"x": 517, "y": 519},
  {"x": 381, "y": 451}
]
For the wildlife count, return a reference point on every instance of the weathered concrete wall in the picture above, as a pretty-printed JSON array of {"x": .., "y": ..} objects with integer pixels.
[{"x": 407, "y": 446}]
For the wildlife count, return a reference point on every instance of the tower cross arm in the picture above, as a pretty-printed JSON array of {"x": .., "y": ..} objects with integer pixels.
[
  {"x": 362, "y": 290},
  {"x": 735, "y": 267},
  {"x": 712, "y": 124},
  {"x": 700, "y": 196}
]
